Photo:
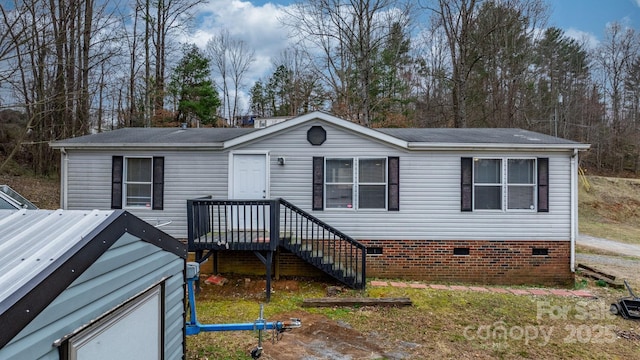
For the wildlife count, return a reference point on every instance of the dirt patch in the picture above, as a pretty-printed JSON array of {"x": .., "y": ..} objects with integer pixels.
[
  {"x": 322, "y": 338},
  {"x": 246, "y": 287},
  {"x": 319, "y": 337}
]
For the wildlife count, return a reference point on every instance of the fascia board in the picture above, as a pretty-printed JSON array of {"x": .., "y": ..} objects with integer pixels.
[
  {"x": 316, "y": 115},
  {"x": 208, "y": 146},
  {"x": 502, "y": 147}
]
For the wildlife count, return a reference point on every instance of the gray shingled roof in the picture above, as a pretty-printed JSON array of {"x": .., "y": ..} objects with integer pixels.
[
  {"x": 473, "y": 136},
  {"x": 159, "y": 136},
  {"x": 224, "y": 137}
]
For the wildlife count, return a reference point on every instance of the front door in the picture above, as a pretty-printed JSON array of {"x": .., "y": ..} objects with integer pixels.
[
  {"x": 249, "y": 177},
  {"x": 249, "y": 182}
]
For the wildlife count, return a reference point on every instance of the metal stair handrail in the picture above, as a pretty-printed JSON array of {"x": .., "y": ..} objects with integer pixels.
[
  {"x": 265, "y": 225},
  {"x": 358, "y": 268}
]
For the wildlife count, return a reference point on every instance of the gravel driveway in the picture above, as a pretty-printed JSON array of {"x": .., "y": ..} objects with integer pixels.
[
  {"x": 624, "y": 266},
  {"x": 609, "y": 245}
]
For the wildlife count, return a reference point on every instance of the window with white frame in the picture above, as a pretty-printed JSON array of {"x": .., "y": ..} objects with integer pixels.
[
  {"x": 138, "y": 182},
  {"x": 356, "y": 183},
  {"x": 504, "y": 183},
  {"x": 521, "y": 184},
  {"x": 487, "y": 184}
]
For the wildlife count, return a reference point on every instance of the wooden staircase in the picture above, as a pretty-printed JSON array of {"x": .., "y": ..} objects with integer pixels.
[
  {"x": 262, "y": 226},
  {"x": 324, "y": 247}
]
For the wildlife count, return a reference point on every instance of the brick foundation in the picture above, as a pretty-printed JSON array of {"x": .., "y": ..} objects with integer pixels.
[
  {"x": 487, "y": 262},
  {"x": 246, "y": 263}
]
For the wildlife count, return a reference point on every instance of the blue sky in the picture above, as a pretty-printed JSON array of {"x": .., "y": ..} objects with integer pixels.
[
  {"x": 590, "y": 17},
  {"x": 256, "y": 22},
  {"x": 574, "y": 16}
]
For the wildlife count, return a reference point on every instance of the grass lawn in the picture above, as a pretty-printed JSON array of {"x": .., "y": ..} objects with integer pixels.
[{"x": 440, "y": 324}]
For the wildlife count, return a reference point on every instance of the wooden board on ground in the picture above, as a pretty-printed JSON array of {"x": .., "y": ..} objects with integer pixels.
[
  {"x": 592, "y": 273},
  {"x": 355, "y": 301}
]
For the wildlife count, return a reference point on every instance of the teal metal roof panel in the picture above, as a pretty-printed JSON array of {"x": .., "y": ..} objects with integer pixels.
[{"x": 44, "y": 251}]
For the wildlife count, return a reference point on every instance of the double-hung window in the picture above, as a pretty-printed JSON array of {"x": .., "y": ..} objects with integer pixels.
[
  {"x": 138, "y": 184},
  {"x": 356, "y": 183},
  {"x": 521, "y": 184},
  {"x": 487, "y": 184},
  {"x": 504, "y": 184}
]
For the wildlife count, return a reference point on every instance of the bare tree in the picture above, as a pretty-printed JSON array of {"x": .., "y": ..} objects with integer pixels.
[
  {"x": 348, "y": 36},
  {"x": 56, "y": 48},
  {"x": 475, "y": 41},
  {"x": 456, "y": 18},
  {"x": 232, "y": 59},
  {"x": 615, "y": 58},
  {"x": 240, "y": 59},
  {"x": 217, "y": 48},
  {"x": 171, "y": 16},
  {"x": 304, "y": 89}
]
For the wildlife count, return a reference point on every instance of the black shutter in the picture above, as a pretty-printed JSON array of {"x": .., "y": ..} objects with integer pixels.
[
  {"x": 466, "y": 184},
  {"x": 543, "y": 184},
  {"x": 318, "y": 183},
  {"x": 394, "y": 183},
  {"x": 158, "y": 183},
  {"x": 116, "y": 182}
]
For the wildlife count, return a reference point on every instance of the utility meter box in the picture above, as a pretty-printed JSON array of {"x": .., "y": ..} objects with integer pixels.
[{"x": 193, "y": 269}]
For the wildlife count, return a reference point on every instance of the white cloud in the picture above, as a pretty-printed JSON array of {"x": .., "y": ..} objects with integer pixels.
[
  {"x": 257, "y": 26},
  {"x": 588, "y": 39}
]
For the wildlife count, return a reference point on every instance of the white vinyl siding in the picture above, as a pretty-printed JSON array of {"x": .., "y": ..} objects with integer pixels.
[
  {"x": 187, "y": 175},
  {"x": 429, "y": 191},
  {"x": 429, "y": 187}
]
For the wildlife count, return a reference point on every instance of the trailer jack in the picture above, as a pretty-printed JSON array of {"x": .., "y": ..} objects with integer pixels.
[{"x": 193, "y": 327}]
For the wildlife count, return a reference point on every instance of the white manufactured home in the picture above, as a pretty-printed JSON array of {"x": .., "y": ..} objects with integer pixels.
[
  {"x": 98, "y": 284},
  {"x": 480, "y": 205}
]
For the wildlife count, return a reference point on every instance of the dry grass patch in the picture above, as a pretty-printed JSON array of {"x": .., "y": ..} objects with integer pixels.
[{"x": 610, "y": 208}]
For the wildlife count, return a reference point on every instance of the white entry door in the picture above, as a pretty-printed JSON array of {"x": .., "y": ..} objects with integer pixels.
[{"x": 249, "y": 182}]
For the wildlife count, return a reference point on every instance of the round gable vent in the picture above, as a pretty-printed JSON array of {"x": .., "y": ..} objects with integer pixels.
[{"x": 316, "y": 135}]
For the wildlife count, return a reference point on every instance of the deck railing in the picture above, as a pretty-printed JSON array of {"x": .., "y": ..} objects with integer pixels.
[
  {"x": 232, "y": 224},
  {"x": 264, "y": 225}
]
